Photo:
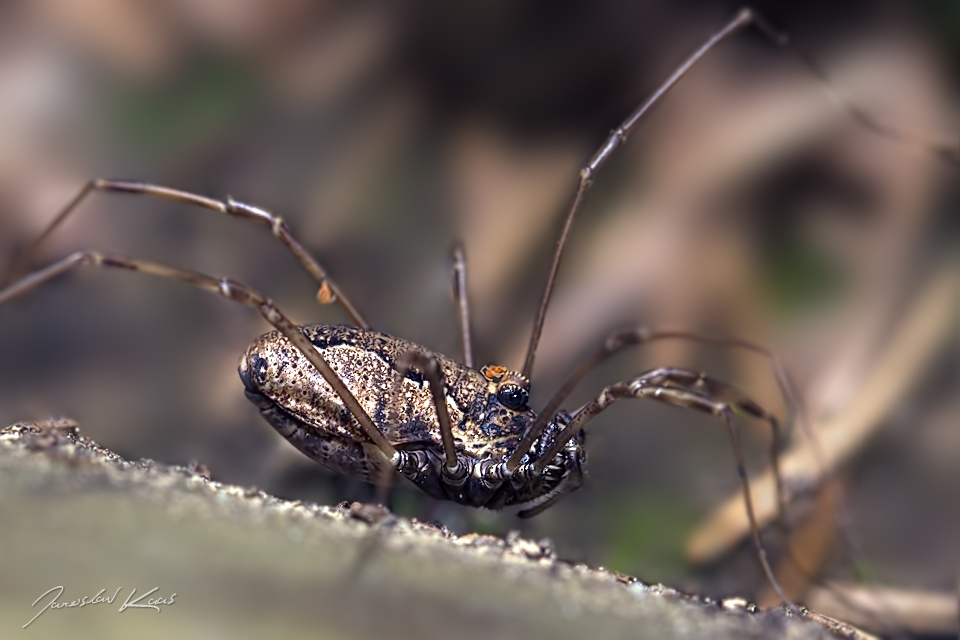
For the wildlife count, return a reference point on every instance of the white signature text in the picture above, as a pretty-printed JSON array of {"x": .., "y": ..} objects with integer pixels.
[{"x": 132, "y": 601}]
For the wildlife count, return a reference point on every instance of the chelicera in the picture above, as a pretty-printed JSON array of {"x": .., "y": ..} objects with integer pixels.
[{"x": 367, "y": 404}]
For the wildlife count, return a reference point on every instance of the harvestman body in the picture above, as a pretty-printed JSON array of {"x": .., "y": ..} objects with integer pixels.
[{"x": 367, "y": 404}]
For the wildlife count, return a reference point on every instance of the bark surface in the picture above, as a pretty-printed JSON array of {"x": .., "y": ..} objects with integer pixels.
[{"x": 246, "y": 564}]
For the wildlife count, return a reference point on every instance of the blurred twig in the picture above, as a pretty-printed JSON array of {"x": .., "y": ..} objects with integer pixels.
[
  {"x": 840, "y": 436},
  {"x": 912, "y": 610},
  {"x": 808, "y": 549}
]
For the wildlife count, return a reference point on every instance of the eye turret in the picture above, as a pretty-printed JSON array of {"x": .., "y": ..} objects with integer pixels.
[{"x": 513, "y": 390}]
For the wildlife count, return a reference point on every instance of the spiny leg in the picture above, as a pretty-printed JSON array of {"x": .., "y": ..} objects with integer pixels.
[
  {"x": 430, "y": 367},
  {"x": 230, "y": 289},
  {"x": 453, "y": 470},
  {"x": 722, "y": 391},
  {"x": 646, "y": 386},
  {"x": 719, "y": 390},
  {"x": 638, "y": 336},
  {"x": 948, "y": 150},
  {"x": 643, "y": 335},
  {"x": 708, "y": 386},
  {"x": 328, "y": 292},
  {"x": 463, "y": 306}
]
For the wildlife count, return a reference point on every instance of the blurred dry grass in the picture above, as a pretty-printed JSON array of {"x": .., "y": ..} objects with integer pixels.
[{"x": 748, "y": 203}]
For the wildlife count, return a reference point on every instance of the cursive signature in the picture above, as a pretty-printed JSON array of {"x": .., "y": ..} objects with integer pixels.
[{"x": 129, "y": 603}]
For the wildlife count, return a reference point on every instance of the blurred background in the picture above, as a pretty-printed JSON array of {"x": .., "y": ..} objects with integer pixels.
[{"x": 747, "y": 203}]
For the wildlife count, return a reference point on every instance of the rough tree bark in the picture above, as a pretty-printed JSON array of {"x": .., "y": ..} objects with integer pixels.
[{"x": 246, "y": 564}]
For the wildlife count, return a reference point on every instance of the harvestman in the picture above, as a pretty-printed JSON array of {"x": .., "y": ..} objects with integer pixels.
[{"x": 366, "y": 403}]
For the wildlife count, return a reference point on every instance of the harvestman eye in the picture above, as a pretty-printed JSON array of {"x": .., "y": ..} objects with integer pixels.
[
  {"x": 341, "y": 395},
  {"x": 512, "y": 396}
]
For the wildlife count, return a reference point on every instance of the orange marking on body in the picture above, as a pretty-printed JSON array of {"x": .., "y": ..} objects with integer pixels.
[{"x": 493, "y": 372}]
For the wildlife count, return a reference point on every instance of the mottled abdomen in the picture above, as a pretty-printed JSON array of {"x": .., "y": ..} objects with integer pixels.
[
  {"x": 402, "y": 407},
  {"x": 343, "y": 455}
]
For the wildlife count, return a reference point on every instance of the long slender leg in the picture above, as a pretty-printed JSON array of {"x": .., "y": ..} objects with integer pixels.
[
  {"x": 430, "y": 368},
  {"x": 638, "y": 336},
  {"x": 643, "y": 335},
  {"x": 463, "y": 306},
  {"x": 719, "y": 390},
  {"x": 454, "y": 470},
  {"x": 946, "y": 149},
  {"x": 230, "y": 289},
  {"x": 328, "y": 292},
  {"x": 647, "y": 386}
]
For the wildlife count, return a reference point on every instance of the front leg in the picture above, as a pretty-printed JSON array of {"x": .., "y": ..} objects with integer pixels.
[
  {"x": 718, "y": 390},
  {"x": 456, "y": 469},
  {"x": 666, "y": 385}
]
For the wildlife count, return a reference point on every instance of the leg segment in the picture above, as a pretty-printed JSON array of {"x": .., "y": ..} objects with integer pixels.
[
  {"x": 720, "y": 391},
  {"x": 463, "y": 307},
  {"x": 230, "y": 290},
  {"x": 947, "y": 149},
  {"x": 650, "y": 385},
  {"x": 638, "y": 336},
  {"x": 329, "y": 291},
  {"x": 430, "y": 368},
  {"x": 572, "y": 485}
]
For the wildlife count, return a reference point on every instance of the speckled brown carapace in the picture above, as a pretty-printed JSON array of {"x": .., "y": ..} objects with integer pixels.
[{"x": 400, "y": 405}]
